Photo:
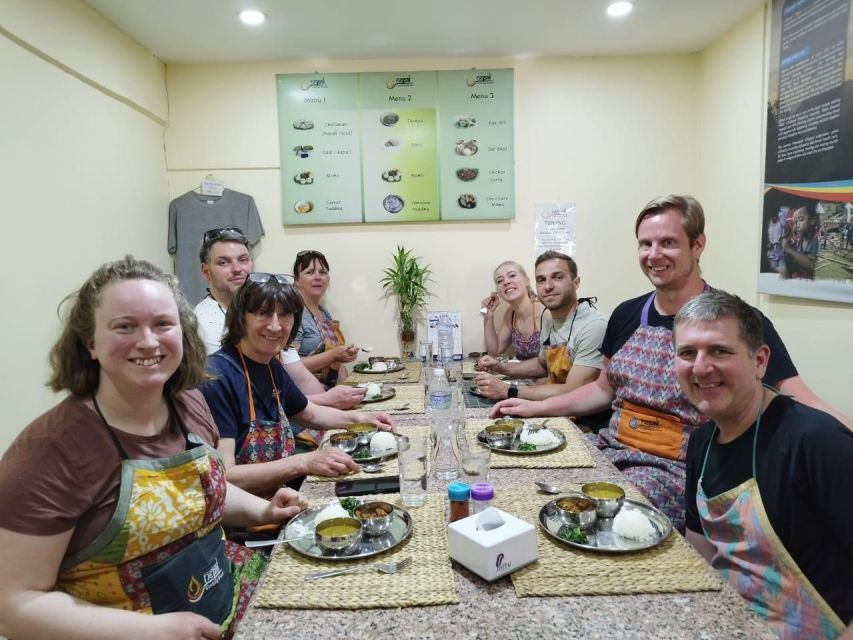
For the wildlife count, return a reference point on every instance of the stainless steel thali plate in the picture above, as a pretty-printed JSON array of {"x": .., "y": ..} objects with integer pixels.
[
  {"x": 400, "y": 529},
  {"x": 601, "y": 537},
  {"x": 515, "y": 443},
  {"x": 367, "y": 455},
  {"x": 386, "y": 394}
]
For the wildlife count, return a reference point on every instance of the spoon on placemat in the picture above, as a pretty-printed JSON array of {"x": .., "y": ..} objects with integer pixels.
[
  {"x": 269, "y": 543},
  {"x": 547, "y": 488}
]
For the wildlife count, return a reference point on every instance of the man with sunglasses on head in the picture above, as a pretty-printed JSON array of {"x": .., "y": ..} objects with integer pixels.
[{"x": 226, "y": 260}]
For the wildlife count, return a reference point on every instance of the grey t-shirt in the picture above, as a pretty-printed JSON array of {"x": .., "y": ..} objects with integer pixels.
[
  {"x": 190, "y": 215},
  {"x": 584, "y": 333}
]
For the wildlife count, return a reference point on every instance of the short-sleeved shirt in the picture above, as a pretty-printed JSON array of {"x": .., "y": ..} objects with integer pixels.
[
  {"x": 804, "y": 468},
  {"x": 625, "y": 319},
  {"x": 64, "y": 471},
  {"x": 190, "y": 215},
  {"x": 211, "y": 327},
  {"x": 228, "y": 397},
  {"x": 584, "y": 333}
]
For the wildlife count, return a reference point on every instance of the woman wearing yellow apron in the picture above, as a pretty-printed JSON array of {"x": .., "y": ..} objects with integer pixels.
[
  {"x": 269, "y": 431},
  {"x": 319, "y": 339},
  {"x": 115, "y": 497}
]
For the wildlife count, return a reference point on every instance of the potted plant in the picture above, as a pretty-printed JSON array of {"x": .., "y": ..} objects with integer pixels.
[{"x": 407, "y": 280}]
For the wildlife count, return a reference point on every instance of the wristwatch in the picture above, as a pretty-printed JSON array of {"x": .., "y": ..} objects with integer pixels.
[{"x": 512, "y": 392}]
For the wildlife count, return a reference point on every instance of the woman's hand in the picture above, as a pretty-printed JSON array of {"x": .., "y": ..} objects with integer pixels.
[
  {"x": 487, "y": 363},
  {"x": 383, "y": 421},
  {"x": 285, "y": 504},
  {"x": 344, "y": 354},
  {"x": 184, "y": 625},
  {"x": 341, "y": 396},
  {"x": 491, "y": 303},
  {"x": 515, "y": 407},
  {"x": 331, "y": 462}
]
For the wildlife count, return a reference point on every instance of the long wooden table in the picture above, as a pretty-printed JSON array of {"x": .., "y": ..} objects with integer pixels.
[{"x": 492, "y": 610}]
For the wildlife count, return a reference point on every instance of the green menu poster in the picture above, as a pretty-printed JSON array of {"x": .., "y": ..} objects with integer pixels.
[
  {"x": 319, "y": 142},
  {"x": 475, "y": 142},
  {"x": 399, "y": 162}
]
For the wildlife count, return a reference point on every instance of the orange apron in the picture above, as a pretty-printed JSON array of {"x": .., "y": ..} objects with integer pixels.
[{"x": 559, "y": 357}]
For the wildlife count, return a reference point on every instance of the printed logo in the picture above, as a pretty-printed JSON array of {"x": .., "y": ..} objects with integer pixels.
[
  {"x": 633, "y": 423},
  {"x": 195, "y": 590},
  {"x": 479, "y": 79},
  {"x": 402, "y": 81},
  {"x": 500, "y": 565},
  {"x": 314, "y": 83}
]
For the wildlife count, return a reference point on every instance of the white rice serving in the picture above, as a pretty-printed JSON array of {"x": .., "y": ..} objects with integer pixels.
[
  {"x": 382, "y": 442},
  {"x": 333, "y": 510},
  {"x": 540, "y": 437},
  {"x": 379, "y": 366},
  {"x": 374, "y": 390},
  {"x": 633, "y": 525}
]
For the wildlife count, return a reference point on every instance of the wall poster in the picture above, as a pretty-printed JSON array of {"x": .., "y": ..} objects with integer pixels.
[
  {"x": 396, "y": 147},
  {"x": 554, "y": 228},
  {"x": 807, "y": 221}
]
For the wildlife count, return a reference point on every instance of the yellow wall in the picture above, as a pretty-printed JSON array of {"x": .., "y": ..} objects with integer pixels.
[
  {"x": 606, "y": 133},
  {"x": 85, "y": 178},
  {"x": 83, "y": 174}
]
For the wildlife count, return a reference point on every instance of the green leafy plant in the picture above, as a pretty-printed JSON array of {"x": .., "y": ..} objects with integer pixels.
[{"x": 407, "y": 280}]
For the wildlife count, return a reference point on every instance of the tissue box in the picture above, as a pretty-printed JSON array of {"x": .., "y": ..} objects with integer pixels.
[{"x": 492, "y": 544}]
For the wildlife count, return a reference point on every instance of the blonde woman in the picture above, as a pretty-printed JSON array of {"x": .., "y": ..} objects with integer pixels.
[{"x": 518, "y": 326}]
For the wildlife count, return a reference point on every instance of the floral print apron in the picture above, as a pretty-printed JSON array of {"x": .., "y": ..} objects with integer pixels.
[
  {"x": 751, "y": 557},
  {"x": 164, "y": 550}
]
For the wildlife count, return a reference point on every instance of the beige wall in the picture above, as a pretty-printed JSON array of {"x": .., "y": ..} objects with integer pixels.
[
  {"x": 83, "y": 175},
  {"x": 731, "y": 77},
  {"x": 85, "y": 178},
  {"x": 606, "y": 133}
]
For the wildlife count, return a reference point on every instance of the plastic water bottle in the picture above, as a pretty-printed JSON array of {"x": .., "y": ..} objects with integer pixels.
[
  {"x": 439, "y": 393},
  {"x": 445, "y": 339}
]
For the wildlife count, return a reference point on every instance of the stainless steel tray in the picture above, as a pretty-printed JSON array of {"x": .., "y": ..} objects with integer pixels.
[
  {"x": 601, "y": 537},
  {"x": 512, "y": 447}
]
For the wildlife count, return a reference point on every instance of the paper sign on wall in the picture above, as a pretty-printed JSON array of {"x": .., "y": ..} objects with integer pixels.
[{"x": 555, "y": 228}]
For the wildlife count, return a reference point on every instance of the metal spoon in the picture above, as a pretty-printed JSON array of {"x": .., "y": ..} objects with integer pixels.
[
  {"x": 367, "y": 349},
  {"x": 371, "y": 468},
  {"x": 547, "y": 488},
  {"x": 269, "y": 543}
]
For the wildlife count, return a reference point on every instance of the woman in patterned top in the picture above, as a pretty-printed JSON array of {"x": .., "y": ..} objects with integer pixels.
[{"x": 521, "y": 320}]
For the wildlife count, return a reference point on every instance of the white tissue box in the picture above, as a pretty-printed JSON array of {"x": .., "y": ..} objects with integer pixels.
[{"x": 492, "y": 544}]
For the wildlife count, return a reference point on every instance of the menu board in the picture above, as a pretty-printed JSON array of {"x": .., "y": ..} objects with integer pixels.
[{"x": 396, "y": 147}]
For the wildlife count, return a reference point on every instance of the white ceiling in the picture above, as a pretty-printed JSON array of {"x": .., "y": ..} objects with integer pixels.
[{"x": 209, "y": 30}]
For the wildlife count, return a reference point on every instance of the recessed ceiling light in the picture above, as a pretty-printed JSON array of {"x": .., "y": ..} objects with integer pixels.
[
  {"x": 619, "y": 9},
  {"x": 252, "y": 16}
]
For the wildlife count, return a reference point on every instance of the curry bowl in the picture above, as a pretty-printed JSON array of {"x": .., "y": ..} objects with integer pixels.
[
  {"x": 337, "y": 534},
  {"x": 375, "y": 517},
  {"x": 364, "y": 431},
  {"x": 576, "y": 510},
  {"x": 346, "y": 440},
  {"x": 608, "y": 497}
]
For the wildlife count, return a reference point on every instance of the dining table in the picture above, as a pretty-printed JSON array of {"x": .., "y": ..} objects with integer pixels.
[{"x": 666, "y": 592}]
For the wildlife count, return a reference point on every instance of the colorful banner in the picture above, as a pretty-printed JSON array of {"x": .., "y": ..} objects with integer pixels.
[
  {"x": 396, "y": 147},
  {"x": 807, "y": 222}
]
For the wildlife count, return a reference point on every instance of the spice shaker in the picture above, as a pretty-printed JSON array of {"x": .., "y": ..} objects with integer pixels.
[
  {"x": 457, "y": 498},
  {"x": 481, "y": 497}
]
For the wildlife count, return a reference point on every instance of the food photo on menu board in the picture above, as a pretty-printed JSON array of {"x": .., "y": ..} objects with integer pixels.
[{"x": 396, "y": 147}]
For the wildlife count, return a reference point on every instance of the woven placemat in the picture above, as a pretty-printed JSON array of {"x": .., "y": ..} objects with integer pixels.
[
  {"x": 574, "y": 454},
  {"x": 411, "y": 394},
  {"x": 389, "y": 467},
  {"x": 670, "y": 567},
  {"x": 411, "y": 374},
  {"x": 428, "y": 580}
]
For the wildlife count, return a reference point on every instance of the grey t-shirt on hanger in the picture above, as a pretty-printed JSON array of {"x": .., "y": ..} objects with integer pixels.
[{"x": 190, "y": 215}]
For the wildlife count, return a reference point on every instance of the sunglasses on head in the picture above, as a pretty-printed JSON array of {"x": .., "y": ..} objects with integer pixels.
[
  {"x": 262, "y": 278},
  {"x": 212, "y": 235},
  {"x": 309, "y": 252}
]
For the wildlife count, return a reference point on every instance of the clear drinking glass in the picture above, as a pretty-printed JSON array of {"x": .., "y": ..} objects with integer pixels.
[
  {"x": 476, "y": 461},
  {"x": 412, "y": 458}
]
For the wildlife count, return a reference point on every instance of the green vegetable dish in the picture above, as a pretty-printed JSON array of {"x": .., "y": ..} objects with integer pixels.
[
  {"x": 349, "y": 504},
  {"x": 573, "y": 535},
  {"x": 360, "y": 455},
  {"x": 526, "y": 446}
]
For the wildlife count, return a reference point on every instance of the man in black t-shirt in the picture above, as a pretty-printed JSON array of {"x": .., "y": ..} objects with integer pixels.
[
  {"x": 652, "y": 418},
  {"x": 767, "y": 481}
]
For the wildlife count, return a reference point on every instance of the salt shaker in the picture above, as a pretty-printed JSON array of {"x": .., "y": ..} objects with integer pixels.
[{"x": 481, "y": 497}]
